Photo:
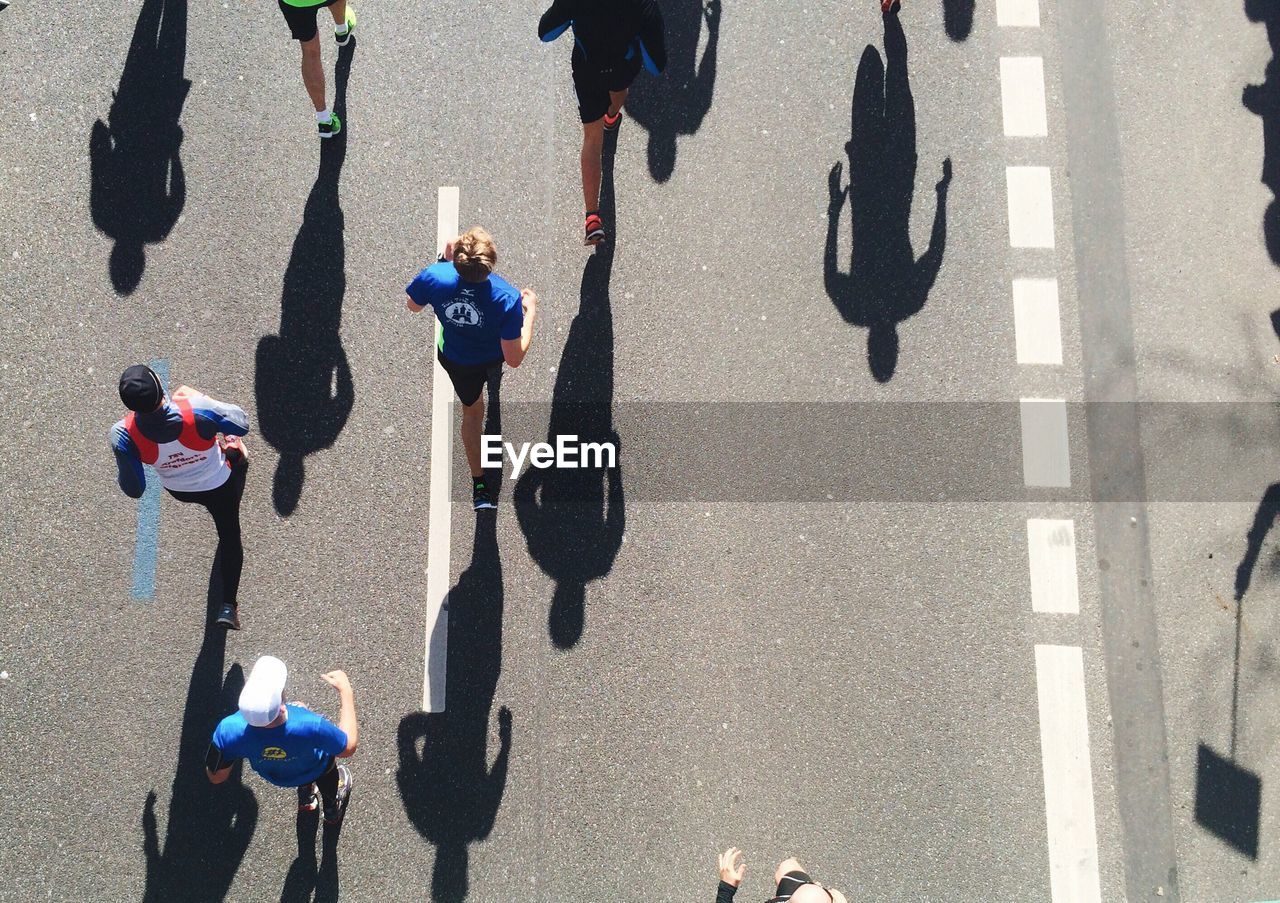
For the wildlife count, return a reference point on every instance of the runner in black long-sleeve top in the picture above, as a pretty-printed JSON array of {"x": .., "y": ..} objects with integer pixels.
[{"x": 612, "y": 40}]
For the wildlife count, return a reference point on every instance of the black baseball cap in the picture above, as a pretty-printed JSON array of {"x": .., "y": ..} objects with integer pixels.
[{"x": 140, "y": 389}]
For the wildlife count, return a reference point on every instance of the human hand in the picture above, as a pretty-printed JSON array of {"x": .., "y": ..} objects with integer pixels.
[
  {"x": 528, "y": 301},
  {"x": 448, "y": 250},
  {"x": 732, "y": 868},
  {"x": 833, "y": 185},
  {"x": 338, "y": 680}
]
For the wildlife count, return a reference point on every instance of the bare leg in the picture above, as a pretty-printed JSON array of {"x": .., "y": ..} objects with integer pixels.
[
  {"x": 616, "y": 100},
  {"x": 472, "y": 428},
  {"x": 786, "y": 865},
  {"x": 339, "y": 12},
  {"x": 592, "y": 147},
  {"x": 313, "y": 72}
]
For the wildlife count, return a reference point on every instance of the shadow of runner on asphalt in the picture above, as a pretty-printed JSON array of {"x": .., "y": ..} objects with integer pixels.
[
  {"x": 677, "y": 103},
  {"x": 450, "y": 792},
  {"x": 1264, "y": 101},
  {"x": 1229, "y": 796},
  {"x": 573, "y": 520},
  {"x": 302, "y": 380},
  {"x": 885, "y": 283},
  {"x": 309, "y": 881},
  {"x": 137, "y": 187},
  {"x": 208, "y": 827},
  {"x": 957, "y": 18}
]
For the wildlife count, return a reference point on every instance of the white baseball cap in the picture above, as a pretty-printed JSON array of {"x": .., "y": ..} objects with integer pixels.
[{"x": 263, "y": 692}]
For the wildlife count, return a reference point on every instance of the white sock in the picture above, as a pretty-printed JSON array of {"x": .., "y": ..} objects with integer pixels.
[
  {"x": 340, "y": 29},
  {"x": 324, "y": 116}
]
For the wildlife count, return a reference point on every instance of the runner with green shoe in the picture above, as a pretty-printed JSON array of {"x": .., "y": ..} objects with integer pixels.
[{"x": 301, "y": 17}]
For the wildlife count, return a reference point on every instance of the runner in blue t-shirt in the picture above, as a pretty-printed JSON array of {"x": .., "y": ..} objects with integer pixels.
[
  {"x": 483, "y": 321},
  {"x": 289, "y": 745}
]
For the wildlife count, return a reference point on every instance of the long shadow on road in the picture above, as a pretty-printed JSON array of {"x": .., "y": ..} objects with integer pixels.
[
  {"x": 302, "y": 380},
  {"x": 1264, "y": 101},
  {"x": 137, "y": 186},
  {"x": 677, "y": 103},
  {"x": 885, "y": 283},
  {"x": 208, "y": 827},
  {"x": 573, "y": 520},
  {"x": 450, "y": 792}
]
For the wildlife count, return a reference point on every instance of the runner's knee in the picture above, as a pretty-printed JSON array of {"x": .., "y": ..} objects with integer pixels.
[{"x": 791, "y": 864}]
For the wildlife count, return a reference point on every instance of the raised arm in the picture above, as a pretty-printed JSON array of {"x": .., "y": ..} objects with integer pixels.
[
  {"x": 556, "y": 20},
  {"x": 347, "y": 714},
  {"x": 653, "y": 37},
  {"x": 129, "y": 473},
  {"x": 228, "y": 419}
]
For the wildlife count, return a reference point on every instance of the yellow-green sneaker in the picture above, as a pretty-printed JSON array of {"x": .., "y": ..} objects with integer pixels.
[{"x": 344, "y": 38}]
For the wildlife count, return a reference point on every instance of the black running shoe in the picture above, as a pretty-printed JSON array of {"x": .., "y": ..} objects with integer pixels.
[
  {"x": 228, "y": 617},
  {"x": 481, "y": 498},
  {"x": 333, "y": 814}
]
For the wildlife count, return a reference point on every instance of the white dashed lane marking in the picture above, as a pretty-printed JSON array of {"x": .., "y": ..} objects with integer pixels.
[
  {"x": 1030, "y": 206},
  {"x": 1018, "y": 13},
  {"x": 1046, "y": 460},
  {"x": 1051, "y": 550},
  {"x": 1068, "y": 775},
  {"x": 1022, "y": 97},
  {"x": 1036, "y": 322},
  {"x": 439, "y": 519}
]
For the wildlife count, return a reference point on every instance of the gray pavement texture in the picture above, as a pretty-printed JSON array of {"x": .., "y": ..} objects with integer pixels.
[{"x": 637, "y": 679}]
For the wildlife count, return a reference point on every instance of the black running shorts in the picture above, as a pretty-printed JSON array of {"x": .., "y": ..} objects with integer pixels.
[
  {"x": 469, "y": 379},
  {"x": 302, "y": 19},
  {"x": 791, "y": 882},
  {"x": 593, "y": 85}
]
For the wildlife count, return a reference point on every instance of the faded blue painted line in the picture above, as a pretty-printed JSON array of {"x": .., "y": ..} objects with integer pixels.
[{"x": 147, "y": 541}]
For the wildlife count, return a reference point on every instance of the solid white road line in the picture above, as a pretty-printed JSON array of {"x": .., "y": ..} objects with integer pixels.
[
  {"x": 438, "y": 519},
  {"x": 1018, "y": 13},
  {"x": 1068, "y": 776},
  {"x": 1037, "y": 327},
  {"x": 1051, "y": 551},
  {"x": 1022, "y": 97},
  {"x": 1045, "y": 457},
  {"x": 1030, "y": 206}
]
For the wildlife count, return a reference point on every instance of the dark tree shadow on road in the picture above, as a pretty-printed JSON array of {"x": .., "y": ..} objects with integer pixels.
[
  {"x": 1264, "y": 101},
  {"x": 137, "y": 187},
  {"x": 208, "y": 827},
  {"x": 303, "y": 381},
  {"x": 573, "y": 520},
  {"x": 885, "y": 283},
  {"x": 677, "y": 104},
  {"x": 450, "y": 791},
  {"x": 957, "y": 18}
]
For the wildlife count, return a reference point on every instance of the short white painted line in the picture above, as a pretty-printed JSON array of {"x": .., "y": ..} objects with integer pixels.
[
  {"x": 1022, "y": 96},
  {"x": 1030, "y": 206},
  {"x": 1051, "y": 551},
  {"x": 438, "y": 519},
  {"x": 1068, "y": 775},
  {"x": 1045, "y": 457},
  {"x": 1018, "y": 13},
  {"x": 1037, "y": 327}
]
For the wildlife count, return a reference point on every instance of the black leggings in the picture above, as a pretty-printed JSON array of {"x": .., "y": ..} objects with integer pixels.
[
  {"x": 223, "y": 504},
  {"x": 328, "y": 784}
]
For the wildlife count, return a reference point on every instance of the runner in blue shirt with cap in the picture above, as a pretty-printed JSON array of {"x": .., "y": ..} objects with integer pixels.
[
  {"x": 483, "y": 323},
  {"x": 288, "y": 744}
]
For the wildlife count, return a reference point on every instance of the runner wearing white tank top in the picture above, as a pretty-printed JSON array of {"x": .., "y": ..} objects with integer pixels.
[{"x": 192, "y": 442}]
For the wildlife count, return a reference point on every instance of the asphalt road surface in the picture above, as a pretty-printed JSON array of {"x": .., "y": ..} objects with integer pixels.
[{"x": 938, "y": 351}]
